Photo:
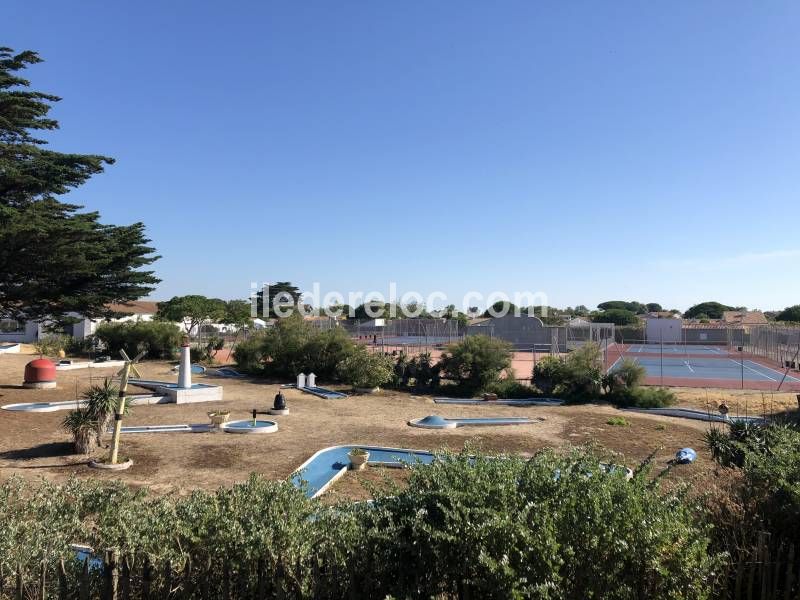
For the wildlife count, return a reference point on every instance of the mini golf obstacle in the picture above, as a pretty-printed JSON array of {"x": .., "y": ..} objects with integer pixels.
[
  {"x": 68, "y": 365},
  {"x": 243, "y": 426},
  {"x": 308, "y": 384},
  {"x": 9, "y": 348},
  {"x": 138, "y": 400},
  {"x": 183, "y": 392},
  {"x": 437, "y": 422},
  {"x": 697, "y": 415},
  {"x": 503, "y": 401},
  {"x": 249, "y": 426}
]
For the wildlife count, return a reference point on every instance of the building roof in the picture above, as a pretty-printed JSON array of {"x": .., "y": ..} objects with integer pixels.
[
  {"x": 135, "y": 307},
  {"x": 662, "y": 314},
  {"x": 744, "y": 317}
]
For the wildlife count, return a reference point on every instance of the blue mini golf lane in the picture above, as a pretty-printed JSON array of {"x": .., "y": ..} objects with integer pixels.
[
  {"x": 327, "y": 465},
  {"x": 437, "y": 422},
  {"x": 708, "y": 368}
]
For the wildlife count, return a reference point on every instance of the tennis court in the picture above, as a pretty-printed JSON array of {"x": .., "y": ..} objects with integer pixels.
[
  {"x": 720, "y": 367},
  {"x": 673, "y": 349}
]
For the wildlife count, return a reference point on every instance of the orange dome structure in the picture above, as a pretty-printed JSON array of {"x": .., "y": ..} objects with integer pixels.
[{"x": 40, "y": 374}]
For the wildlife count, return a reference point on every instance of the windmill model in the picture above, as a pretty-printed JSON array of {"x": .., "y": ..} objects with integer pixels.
[{"x": 124, "y": 374}]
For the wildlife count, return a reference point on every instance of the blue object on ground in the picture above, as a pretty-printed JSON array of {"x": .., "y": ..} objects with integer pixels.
[
  {"x": 685, "y": 456},
  {"x": 324, "y": 392},
  {"x": 697, "y": 415},
  {"x": 327, "y": 465},
  {"x": 437, "y": 422}
]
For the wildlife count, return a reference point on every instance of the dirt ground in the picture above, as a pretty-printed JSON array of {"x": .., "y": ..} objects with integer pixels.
[{"x": 34, "y": 445}]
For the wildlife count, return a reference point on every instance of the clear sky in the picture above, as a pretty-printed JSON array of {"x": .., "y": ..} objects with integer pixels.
[{"x": 587, "y": 150}]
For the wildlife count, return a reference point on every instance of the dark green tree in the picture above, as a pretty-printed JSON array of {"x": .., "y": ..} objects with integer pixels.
[
  {"x": 282, "y": 295},
  {"x": 791, "y": 313},
  {"x": 55, "y": 259},
  {"x": 192, "y": 310},
  {"x": 617, "y": 316},
  {"x": 712, "y": 310}
]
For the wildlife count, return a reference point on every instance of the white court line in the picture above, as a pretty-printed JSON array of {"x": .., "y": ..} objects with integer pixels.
[
  {"x": 736, "y": 362},
  {"x": 714, "y": 350},
  {"x": 688, "y": 366}
]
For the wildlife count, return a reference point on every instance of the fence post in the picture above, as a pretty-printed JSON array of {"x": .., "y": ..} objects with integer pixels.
[
  {"x": 110, "y": 575},
  {"x": 62, "y": 581},
  {"x": 19, "y": 583},
  {"x": 43, "y": 581},
  {"x": 147, "y": 578},
  {"x": 83, "y": 587},
  {"x": 789, "y": 573},
  {"x": 125, "y": 581},
  {"x": 167, "y": 579}
]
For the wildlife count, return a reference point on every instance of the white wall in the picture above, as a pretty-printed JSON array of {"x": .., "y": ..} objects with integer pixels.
[{"x": 666, "y": 330}]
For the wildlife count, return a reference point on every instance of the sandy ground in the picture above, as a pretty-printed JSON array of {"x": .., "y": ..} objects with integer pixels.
[{"x": 33, "y": 445}]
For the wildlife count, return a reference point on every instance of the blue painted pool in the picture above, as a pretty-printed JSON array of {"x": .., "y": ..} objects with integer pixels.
[
  {"x": 324, "y": 392},
  {"x": 328, "y": 464}
]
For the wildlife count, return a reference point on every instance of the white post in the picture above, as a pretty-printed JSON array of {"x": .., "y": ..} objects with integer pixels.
[
  {"x": 301, "y": 381},
  {"x": 185, "y": 369},
  {"x": 312, "y": 380}
]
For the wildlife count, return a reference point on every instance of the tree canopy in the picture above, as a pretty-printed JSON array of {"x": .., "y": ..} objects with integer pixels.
[
  {"x": 55, "y": 259},
  {"x": 635, "y": 307},
  {"x": 790, "y": 313},
  {"x": 710, "y": 310},
  {"x": 192, "y": 310},
  {"x": 617, "y": 316},
  {"x": 282, "y": 295}
]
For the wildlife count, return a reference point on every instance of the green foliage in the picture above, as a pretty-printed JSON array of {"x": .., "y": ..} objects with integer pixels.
[
  {"x": 510, "y": 388},
  {"x": 54, "y": 259},
  {"x": 618, "y": 422},
  {"x": 500, "y": 308},
  {"x": 583, "y": 374},
  {"x": 282, "y": 300},
  {"x": 654, "y": 307},
  {"x": 627, "y": 374},
  {"x": 102, "y": 402},
  {"x": 82, "y": 424},
  {"x": 617, "y": 316},
  {"x": 643, "y": 397},
  {"x": 790, "y": 313},
  {"x": 236, "y": 313},
  {"x": 509, "y": 528},
  {"x": 192, "y": 311},
  {"x": 549, "y": 373},
  {"x": 294, "y": 346},
  {"x": 709, "y": 310},
  {"x": 476, "y": 361},
  {"x": 636, "y": 308},
  {"x": 363, "y": 369},
  {"x": 551, "y": 526},
  {"x": 51, "y": 344},
  {"x": 248, "y": 354},
  {"x": 159, "y": 339}
]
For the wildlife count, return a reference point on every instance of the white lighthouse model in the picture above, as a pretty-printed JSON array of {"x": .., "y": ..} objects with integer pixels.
[{"x": 185, "y": 369}]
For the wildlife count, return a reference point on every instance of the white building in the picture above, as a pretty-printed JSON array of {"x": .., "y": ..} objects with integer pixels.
[{"x": 660, "y": 327}]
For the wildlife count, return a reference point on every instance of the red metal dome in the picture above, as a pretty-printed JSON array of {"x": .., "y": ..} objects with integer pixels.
[{"x": 40, "y": 370}]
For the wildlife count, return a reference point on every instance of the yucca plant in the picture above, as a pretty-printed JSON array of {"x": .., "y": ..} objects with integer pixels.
[
  {"x": 101, "y": 403},
  {"x": 82, "y": 425}
]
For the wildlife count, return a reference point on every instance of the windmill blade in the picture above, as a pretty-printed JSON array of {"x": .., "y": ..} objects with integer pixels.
[
  {"x": 135, "y": 372},
  {"x": 125, "y": 356},
  {"x": 139, "y": 356}
]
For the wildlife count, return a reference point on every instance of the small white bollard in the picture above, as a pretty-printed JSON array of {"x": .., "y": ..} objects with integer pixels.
[
  {"x": 312, "y": 380},
  {"x": 301, "y": 381}
]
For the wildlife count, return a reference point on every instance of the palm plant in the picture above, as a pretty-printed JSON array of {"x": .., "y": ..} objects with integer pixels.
[
  {"x": 82, "y": 425},
  {"x": 101, "y": 403}
]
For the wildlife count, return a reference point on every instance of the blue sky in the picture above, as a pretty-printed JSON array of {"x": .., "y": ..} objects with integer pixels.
[{"x": 585, "y": 150}]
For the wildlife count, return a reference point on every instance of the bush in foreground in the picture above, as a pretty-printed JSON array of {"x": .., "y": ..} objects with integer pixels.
[
  {"x": 363, "y": 369},
  {"x": 476, "y": 361},
  {"x": 158, "y": 339}
]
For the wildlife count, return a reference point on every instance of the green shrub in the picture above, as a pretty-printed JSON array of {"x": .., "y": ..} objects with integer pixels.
[
  {"x": 363, "y": 369},
  {"x": 618, "y": 422},
  {"x": 510, "y": 388},
  {"x": 101, "y": 404},
  {"x": 476, "y": 361},
  {"x": 626, "y": 375},
  {"x": 248, "y": 354},
  {"x": 470, "y": 526},
  {"x": 157, "y": 338},
  {"x": 643, "y": 397},
  {"x": 51, "y": 344},
  {"x": 548, "y": 373}
]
